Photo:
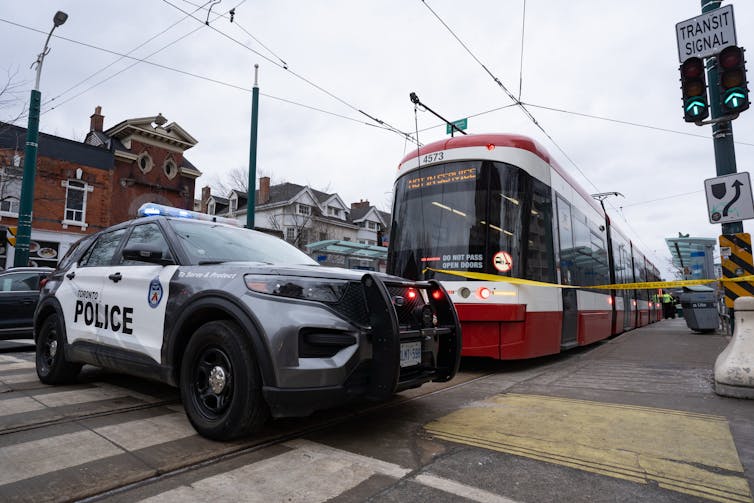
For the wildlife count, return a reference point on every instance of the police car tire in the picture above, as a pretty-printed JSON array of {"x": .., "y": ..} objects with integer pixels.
[
  {"x": 52, "y": 367},
  {"x": 222, "y": 344}
]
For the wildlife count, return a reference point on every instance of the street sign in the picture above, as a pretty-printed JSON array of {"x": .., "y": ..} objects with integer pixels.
[
  {"x": 460, "y": 124},
  {"x": 729, "y": 198},
  {"x": 706, "y": 35}
]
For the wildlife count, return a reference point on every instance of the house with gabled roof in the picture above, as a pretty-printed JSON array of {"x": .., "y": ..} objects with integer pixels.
[
  {"x": 83, "y": 187},
  {"x": 305, "y": 215}
]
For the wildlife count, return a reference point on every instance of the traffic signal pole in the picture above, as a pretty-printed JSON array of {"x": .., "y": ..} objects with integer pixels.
[{"x": 722, "y": 131}]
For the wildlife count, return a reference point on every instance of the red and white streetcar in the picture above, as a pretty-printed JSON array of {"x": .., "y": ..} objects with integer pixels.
[{"x": 499, "y": 204}]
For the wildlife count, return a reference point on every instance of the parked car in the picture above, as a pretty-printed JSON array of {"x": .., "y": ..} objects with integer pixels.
[
  {"x": 19, "y": 293},
  {"x": 245, "y": 324}
]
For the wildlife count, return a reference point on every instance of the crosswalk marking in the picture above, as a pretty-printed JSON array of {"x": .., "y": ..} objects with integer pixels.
[
  {"x": 19, "y": 406},
  {"x": 38, "y": 457},
  {"x": 462, "y": 490},
  {"x": 310, "y": 473},
  {"x": 142, "y": 433},
  {"x": 59, "y": 399}
]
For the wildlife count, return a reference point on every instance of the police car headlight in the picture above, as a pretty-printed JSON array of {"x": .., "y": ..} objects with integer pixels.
[{"x": 319, "y": 289}]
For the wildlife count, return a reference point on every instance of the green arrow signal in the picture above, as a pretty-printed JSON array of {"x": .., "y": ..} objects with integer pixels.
[
  {"x": 695, "y": 107},
  {"x": 734, "y": 96}
]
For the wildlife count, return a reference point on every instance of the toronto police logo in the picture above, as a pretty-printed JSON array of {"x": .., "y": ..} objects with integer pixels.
[{"x": 155, "y": 293}]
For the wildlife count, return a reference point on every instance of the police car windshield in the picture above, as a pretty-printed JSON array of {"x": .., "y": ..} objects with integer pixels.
[{"x": 212, "y": 243}]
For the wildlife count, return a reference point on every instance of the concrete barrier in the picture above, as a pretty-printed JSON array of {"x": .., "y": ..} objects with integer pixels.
[{"x": 734, "y": 367}]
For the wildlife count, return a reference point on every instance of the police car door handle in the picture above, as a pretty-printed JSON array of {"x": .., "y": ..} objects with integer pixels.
[
  {"x": 116, "y": 277},
  {"x": 71, "y": 275}
]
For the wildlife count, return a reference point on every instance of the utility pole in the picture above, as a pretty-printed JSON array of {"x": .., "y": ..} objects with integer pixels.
[
  {"x": 722, "y": 131},
  {"x": 253, "y": 151},
  {"x": 23, "y": 235}
]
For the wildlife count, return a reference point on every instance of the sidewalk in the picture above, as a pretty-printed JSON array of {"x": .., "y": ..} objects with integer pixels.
[{"x": 639, "y": 408}]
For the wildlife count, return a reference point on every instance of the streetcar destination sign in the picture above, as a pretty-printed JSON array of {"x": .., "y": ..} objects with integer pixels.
[{"x": 706, "y": 35}]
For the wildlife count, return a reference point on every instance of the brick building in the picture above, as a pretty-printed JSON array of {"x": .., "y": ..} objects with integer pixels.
[{"x": 81, "y": 188}]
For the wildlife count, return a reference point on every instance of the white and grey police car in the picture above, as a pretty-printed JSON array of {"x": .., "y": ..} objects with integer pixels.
[{"x": 246, "y": 325}]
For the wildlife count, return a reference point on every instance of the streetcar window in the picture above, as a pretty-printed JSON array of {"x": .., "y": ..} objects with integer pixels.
[{"x": 458, "y": 216}]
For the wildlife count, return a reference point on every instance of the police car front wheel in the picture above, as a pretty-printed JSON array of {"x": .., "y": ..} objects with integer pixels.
[
  {"x": 221, "y": 386},
  {"x": 52, "y": 368}
]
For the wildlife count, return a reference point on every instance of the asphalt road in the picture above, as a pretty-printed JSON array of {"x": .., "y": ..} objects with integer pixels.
[{"x": 634, "y": 418}]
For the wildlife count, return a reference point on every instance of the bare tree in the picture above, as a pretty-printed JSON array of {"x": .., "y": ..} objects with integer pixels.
[
  {"x": 236, "y": 179},
  {"x": 10, "y": 97}
]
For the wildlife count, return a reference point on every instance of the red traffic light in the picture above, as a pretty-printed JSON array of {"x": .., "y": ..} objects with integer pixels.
[
  {"x": 692, "y": 68},
  {"x": 730, "y": 57}
]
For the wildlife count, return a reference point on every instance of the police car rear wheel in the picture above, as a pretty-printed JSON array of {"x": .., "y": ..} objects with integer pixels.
[
  {"x": 220, "y": 382},
  {"x": 52, "y": 368}
]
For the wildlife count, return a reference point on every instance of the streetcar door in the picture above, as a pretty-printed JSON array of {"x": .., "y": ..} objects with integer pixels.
[{"x": 567, "y": 266}]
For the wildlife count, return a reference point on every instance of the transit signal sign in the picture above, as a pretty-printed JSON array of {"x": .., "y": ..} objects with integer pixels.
[
  {"x": 694, "y": 90},
  {"x": 706, "y": 35},
  {"x": 734, "y": 95}
]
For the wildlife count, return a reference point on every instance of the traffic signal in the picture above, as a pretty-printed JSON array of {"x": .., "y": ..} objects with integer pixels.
[
  {"x": 694, "y": 88},
  {"x": 734, "y": 95}
]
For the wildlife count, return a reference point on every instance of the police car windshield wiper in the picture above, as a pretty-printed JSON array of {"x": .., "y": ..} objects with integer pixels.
[{"x": 212, "y": 262}]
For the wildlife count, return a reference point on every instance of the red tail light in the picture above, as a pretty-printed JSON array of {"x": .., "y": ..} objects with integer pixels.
[
  {"x": 411, "y": 294},
  {"x": 436, "y": 294},
  {"x": 483, "y": 293}
]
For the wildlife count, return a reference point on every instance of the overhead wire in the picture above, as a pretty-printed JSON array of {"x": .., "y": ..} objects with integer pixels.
[
  {"x": 522, "y": 107},
  {"x": 521, "y": 58},
  {"x": 300, "y": 77},
  {"x": 515, "y": 100},
  {"x": 241, "y": 27},
  {"x": 188, "y": 74},
  {"x": 120, "y": 58}
]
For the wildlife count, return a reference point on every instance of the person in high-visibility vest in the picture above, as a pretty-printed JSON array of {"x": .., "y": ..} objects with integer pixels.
[{"x": 668, "y": 306}]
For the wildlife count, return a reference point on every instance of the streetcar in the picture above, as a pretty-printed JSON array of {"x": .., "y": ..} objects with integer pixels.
[{"x": 482, "y": 212}]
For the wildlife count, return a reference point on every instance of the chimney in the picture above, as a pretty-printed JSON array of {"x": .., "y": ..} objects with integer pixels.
[
  {"x": 206, "y": 193},
  {"x": 264, "y": 190},
  {"x": 361, "y": 204},
  {"x": 97, "y": 120}
]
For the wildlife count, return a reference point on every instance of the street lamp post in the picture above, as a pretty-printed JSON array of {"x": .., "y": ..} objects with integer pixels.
[{"x": 23, "y": 234}]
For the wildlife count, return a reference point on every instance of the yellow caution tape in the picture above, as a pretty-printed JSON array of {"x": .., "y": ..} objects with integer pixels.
[{"x": 650, "y": 285}]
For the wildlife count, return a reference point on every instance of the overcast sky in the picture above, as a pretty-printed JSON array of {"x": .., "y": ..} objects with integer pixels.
[{"x": 613, "y": 59}]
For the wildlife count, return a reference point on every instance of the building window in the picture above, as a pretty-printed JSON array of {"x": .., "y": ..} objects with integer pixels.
[
  {"x": 332, "y": 211},
  {"x": 211, "y": 208},
  {"x": 290, "y": 234},
  {"x": 373, "y": 226},
  {"x": 10, "y": 190},
  {"x": 322, "y": 236},
  {"x": 145, "y": 163},
  {"x": 75, "y": 201},
  {"x": 233, "y": 204},
  {"x": 304, "y": 209},
  {"x": 170, "y": 168}
]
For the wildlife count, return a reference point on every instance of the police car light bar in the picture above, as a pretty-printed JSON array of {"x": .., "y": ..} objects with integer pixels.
[{"x": 152, "y": 209}]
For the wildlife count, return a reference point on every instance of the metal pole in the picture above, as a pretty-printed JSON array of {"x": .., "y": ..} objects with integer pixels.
[
  {"x": 253, "y": 151},
  {"x": 23, "y": 234},
  {"x": 722, "y": 132}
]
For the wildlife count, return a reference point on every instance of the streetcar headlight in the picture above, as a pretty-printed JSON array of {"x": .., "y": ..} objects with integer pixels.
[{"x": 319, "y": 289}]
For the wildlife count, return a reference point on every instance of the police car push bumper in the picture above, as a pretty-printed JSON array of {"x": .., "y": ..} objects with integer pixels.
[{"x": 396, "y": 351}]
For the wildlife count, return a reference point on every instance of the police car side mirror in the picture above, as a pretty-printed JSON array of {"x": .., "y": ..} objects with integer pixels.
[{"x": 145, "y": 253}]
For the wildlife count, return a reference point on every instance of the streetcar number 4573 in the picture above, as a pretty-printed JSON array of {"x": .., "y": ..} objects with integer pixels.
[{"x": 433, "y": 157}]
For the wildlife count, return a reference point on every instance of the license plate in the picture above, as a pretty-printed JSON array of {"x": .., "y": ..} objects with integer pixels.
[{"x": 411, "y": 353}]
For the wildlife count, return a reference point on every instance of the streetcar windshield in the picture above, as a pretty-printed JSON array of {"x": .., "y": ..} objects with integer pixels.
[{"x": 471, "y": 216}]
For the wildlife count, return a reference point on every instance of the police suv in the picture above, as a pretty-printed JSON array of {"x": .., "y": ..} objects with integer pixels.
[{"x": 246, "y": 325}]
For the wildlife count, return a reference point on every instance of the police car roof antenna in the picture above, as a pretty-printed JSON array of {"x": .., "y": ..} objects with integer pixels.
[{"x": 453, "y": 127}]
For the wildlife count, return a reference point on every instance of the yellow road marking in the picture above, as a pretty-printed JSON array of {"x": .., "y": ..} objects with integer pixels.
[{"x": 681, "y": 451}]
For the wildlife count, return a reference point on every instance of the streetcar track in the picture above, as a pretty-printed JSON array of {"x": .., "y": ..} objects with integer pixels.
[
  {"x": 82, "y": 417},
  {"x": 279, "y": 439}
]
